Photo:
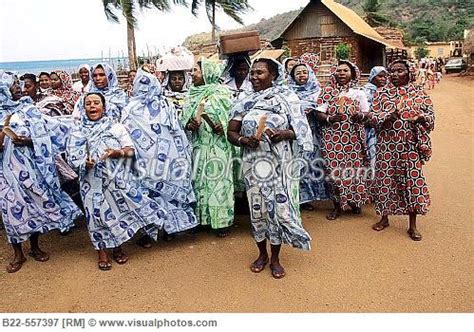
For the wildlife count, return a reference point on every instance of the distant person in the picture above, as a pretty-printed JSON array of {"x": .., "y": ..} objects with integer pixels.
[
  {"x": 61, "y": 86},
  {"x": 431, "y": 77},
  {"x": 177, "y": 84},
  {"x": 236, "y": 74},
  {"x": 105, "y": 82},
  {"x": 83, "y": 86},
  {"x": 131, "y": 77},
  {"x": 44, "y": 83},
  {"x": 101, "y": 150},
  {"x": 30, "y": 194},
  {"x": 288, "y": 64},
  {"x": 403, "y": 117},
  {"x": 422, "y": 74}
]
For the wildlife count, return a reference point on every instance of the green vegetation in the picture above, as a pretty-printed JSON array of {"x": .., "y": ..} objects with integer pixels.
[{"x": 343, "y": 51}]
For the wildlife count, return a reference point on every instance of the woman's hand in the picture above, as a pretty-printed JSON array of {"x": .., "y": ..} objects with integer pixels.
[
  {"x": 90, "y": 164},
  {"x": 358, "y": 117},
  {"x": 334, "y": 118},
  {"x": 250, "y": 142},
  {"x": 22, "y": 141},
  {"x": 113, "y": 154},
  {"x": 278, "y": 136},
  {"x": 218, "y": 130},
  {"x": 193, "y": 125}
]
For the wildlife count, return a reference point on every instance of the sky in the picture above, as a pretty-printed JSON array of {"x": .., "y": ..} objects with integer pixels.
[{"x": 73, "y": 29}]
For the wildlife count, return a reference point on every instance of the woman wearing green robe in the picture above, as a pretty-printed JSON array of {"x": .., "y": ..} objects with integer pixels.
[{"x": 205, "y": 117}]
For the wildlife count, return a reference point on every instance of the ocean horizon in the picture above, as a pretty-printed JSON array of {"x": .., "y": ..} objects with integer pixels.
[{"x": 68, "y": 65}]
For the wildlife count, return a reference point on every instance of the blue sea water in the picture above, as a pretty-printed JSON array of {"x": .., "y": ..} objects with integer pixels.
[{"x": 71, "y": 66}]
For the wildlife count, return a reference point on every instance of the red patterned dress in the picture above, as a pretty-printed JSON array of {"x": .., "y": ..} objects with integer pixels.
[
  {"x": 403, "y": 147},
  {"x": 344, "y": 145}
]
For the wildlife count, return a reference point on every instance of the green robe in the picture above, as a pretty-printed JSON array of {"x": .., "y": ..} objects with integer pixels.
[{"x": 213, "y": 179}]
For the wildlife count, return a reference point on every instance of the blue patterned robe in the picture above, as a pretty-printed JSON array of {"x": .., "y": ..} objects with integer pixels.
[
  {"x": 271, "y": 176},
  {"x": 313, "y": 186},
  {"x": 116, "y": 204},
  {"x": 162, "y": 150},
  {"x": 31, "y": 198}
]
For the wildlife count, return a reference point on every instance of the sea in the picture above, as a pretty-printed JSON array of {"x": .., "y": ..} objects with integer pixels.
[{"x": 70, "y": 66}]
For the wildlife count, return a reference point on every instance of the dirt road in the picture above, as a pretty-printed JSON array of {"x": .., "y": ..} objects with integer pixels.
[{"x": 350, "y": 269}]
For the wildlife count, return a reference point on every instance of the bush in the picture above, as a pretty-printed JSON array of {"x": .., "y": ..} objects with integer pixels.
[
  {"x": 421, "y": 52},
  {"x": 343, "y": 51}
]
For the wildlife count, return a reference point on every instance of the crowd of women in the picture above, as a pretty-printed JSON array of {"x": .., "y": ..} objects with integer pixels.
[{"x": 179, "y": 153}]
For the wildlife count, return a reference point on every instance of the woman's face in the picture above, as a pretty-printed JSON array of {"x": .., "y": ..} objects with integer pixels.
[
  {"x": 289, "y": 65},
  {"x": 99, "y": 78},
  {"x": 84, "y": 75},
  {"x": 399, "y": 74},
  {"x": 131, "y": 76},
  {"x": 94, "y": 107},
  {"x": 55, "y": 81},
  {"x": 29, "y": 88},
  {"x": 301, "y": 75},
  {"x": 343, "y": 74},
  {"x": 15, "y": 90},
  {"x": 198, "y": 79},
  {"x": 260, "y": 76},
  {"x": 44, "y": 82},
  {"x": 380, "y": 80},
  {"x": 177, "y": 81}
]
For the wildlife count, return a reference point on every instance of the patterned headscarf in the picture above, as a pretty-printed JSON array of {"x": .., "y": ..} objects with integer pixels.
[
  {"x": 312, "y": 60},
  {"x": 65, "y": 92},
  {"x": 376, "y": 71},
  {"x": 354, "y": 71},
  {"x": 410, "y": 67}
]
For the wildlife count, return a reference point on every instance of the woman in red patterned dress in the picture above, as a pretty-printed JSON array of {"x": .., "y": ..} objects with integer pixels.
[
  {"x": 403, "y": 117},
  {"x": 342, "y": 108}
]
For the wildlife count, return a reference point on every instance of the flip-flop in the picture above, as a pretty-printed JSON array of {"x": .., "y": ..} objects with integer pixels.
[
  {"x": 277, "y": 274},
  {"x": 14, "y": 267},
  {"x": 120, "y": 258},
  {"x": 104, "y": 265},
  {"x": 258, "y": 268},
  {"x": 380, "y": 226},
  {"x": 39, "y": 257},
  {"x": 414, "y": 235}
]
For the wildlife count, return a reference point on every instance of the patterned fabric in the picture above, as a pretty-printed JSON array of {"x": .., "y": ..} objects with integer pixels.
[
  {"x": 116, "y": 204},
  {"x": 344, "y": 142},
  {"x": 162, "y": 152},
  {"x": 271, "y": 179},
  {"x": 313, "y": 187},
  {"x": 177, "y": 98},
  {"x": 213, "y": 182},
  {"x": 312, "y": 60},
  {"x": 402, "y": 149},
  {"x": 115, "y": 97},
  {"x": 65, "y": 92},
  {"x": 31, "y": 198}
]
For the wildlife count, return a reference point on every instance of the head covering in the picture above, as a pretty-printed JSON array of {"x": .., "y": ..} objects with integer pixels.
[
  {"x": 281, "y": 78},
  {"x": 285, "y": 62},
  {"x": 376, "y": 71},
  {"x": 167, "y": 82},
  {"x": 7, "y": 104},
  {"x": 86, "y": 66},
  {"x": 65, "y": 92},
  {"x": 308, "y": 93},
  {"x": 355, "y": 72},
  {"x": 232, "y": 60},
  {"x": 312, "y": 60}
]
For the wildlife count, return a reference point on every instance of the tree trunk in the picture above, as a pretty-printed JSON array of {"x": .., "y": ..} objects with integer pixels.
[
  {"x": 132, "y": 47},
  {"x": 214, "y": 23}
]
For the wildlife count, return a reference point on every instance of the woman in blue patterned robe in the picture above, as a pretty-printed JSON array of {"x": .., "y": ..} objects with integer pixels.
[
  {"x": 117, "y": 206},
  {"x": 313, "y": 187},
  {"x": 104, "y": 81},
  {"x": 270, "y": 171},
  {"x": 163, "y": 152},
  {"x": 31, "y": 198}
]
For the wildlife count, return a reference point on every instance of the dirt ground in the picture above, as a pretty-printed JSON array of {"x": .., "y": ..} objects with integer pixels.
[{"x": 350, "y": 269}]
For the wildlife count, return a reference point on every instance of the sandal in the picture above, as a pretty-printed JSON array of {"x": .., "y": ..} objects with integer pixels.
[
  {"x": 277, "y": 273},
  {"x": 14, "y": 267},
  {"x": 380, "y": 226},
  {"x": 104, "y": 265},
  {"x": 414, "y": 235},
  {"x": 40, "y": 256},
  {"x": 257, "y": 268},
  {"x": 120, "y": 257},
  {"x": 333, "y": 215}
]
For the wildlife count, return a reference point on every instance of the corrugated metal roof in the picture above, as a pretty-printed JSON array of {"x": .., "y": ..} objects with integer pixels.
[{"x": 352, "y": 20}]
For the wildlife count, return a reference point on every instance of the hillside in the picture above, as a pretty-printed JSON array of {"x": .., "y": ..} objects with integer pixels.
[{"x": 433, "y": 20}]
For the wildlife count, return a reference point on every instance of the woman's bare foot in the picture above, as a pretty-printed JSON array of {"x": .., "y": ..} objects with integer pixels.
[
  {"x": 16, "y": 264},
  {"x": 38, "y": 255},
  {"x": 259, "y": 264},
  {"x": 334, "y": 214},
  {"x": 119, "y": 256},
  {"x": 278, "y": 271},
  {"x": 381, "y": 225},
  {"x": 104, "y": 262}
]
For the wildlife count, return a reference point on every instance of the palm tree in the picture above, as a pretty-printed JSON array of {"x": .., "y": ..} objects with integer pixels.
[
  {"x": 232, "y": 8},
  {"x": 127, "y": 8},
  {"x": 372, "y": 13}
]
